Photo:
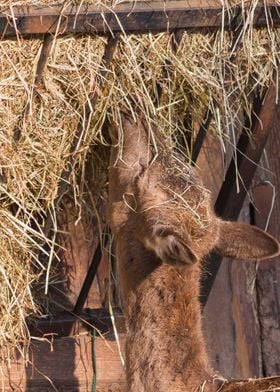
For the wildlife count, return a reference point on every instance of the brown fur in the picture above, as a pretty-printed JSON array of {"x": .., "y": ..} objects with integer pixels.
[{"x": 163, "y": 226}]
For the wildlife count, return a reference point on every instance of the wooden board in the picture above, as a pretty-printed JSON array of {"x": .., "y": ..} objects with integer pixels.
[
  {"x": 79, "y": 242},
  {"x": 246, "y": 330},
  {"x": 230, "y": 321},
  {"x": 66, "y": 364},
  {"x": 268, "y": 277},
  {"x": 140, "y": 16}
]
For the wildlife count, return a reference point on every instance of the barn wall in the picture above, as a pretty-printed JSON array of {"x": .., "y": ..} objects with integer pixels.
[
  {"x": 268, "y": 276},
  {"x": 241, "y": 319},
  {"x": 66, "y": 364},
  {"x": 230, "y": 320}
]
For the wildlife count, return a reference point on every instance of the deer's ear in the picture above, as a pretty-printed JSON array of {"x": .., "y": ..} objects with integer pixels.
[
  {"x": 170, "y": 248},
  {"x": 246, "y": 242}
]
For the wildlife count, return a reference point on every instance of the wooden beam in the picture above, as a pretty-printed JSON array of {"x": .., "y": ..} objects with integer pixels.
[
  {"x": 132, "y": 17},
  {"x": 87, "y": 320},
  {"x": 44, "y": 55},
  {"x": 266, "y": 200}
]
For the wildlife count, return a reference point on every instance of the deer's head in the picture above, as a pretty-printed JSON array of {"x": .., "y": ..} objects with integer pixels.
[{"x": 164, "y": 204}]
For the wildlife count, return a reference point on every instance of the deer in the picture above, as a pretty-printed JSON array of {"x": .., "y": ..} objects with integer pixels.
[{"x": 163, "y": 226}]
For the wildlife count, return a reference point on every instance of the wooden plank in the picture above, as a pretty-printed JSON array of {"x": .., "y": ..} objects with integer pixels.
[
  {"x": 267, "y": 280},
  {"x": 66, "y": 364},
  {"x": 230, "y": 320},
  {"x": 103, "y": 280},
  {"x": 60, "y": 326},
  {"x": 218, "y": 324},
  {"x": 247, "y": 347},
  {"x": 44, "y": 55},
  {"x": 78, "y": 244},
  {"x": 91, "y": 273},
  {"x": 268, "y": 276},
  {"x": 140, "y": 16},
  {"x": 249, "y": 151}
]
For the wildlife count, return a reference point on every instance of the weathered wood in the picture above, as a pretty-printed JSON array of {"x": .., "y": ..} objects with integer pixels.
[
  {"x": 103, "y": 279},
  {"x": 201, "y": 135},
  {"x": 140, "y": 16},
  {"x": 268, "y": 276},
  {"x": 267, "y": 280},
  {"x": 218, "y": 325},
  {"x": 230, "y": 319},
  {"x": 95, "y": 318},
  {"x": 217, "y": 320},
  {"x": 81, "y": 300},
  {"x": 78, "y": 238},
  {"x": 44, "y": 55},
  {"x": 66, "y": 365},
  {"x": 249, "y": 151},
  {"x": 246, "y": 329}
]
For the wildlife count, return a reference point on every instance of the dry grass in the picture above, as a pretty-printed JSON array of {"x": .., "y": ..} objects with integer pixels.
[
  {"x": 6, "y": 5},
  {"x": 37, "y": 130}
]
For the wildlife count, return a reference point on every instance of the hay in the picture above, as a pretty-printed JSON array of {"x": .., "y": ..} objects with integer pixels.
[
  {"x": 38, "y": 129},
  {"x": 6, "y": 5}
]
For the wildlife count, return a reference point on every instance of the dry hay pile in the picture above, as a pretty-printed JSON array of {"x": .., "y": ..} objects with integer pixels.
[{"x": 38, "y": 129}]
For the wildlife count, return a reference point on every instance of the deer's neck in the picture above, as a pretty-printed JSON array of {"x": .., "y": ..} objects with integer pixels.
[{"x": 165, "y": 347}]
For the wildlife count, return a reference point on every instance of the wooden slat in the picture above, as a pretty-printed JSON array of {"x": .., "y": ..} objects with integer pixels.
[
  {"x": 245, "y": 328},
  {"x": 249, "y": 151},
  {"x": 267, "y": 196},
  {"x": 66, "y": 365},
  {"x": 59, "y": 327},
  {"x": 140, "y": 16},
  {"x": 91, "y": 273},
  {"x": 78, "y": 245},
  {"x": 230, "y": 321},
  {"x": 268, "y": 275},
  {"x": 44, "y": 55}
]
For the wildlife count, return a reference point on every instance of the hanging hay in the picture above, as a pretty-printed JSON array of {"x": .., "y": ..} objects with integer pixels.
[{"x": 38, "y": 129}]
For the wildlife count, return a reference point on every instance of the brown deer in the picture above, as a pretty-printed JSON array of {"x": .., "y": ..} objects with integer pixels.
[{"x": 163, "y": 226}]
